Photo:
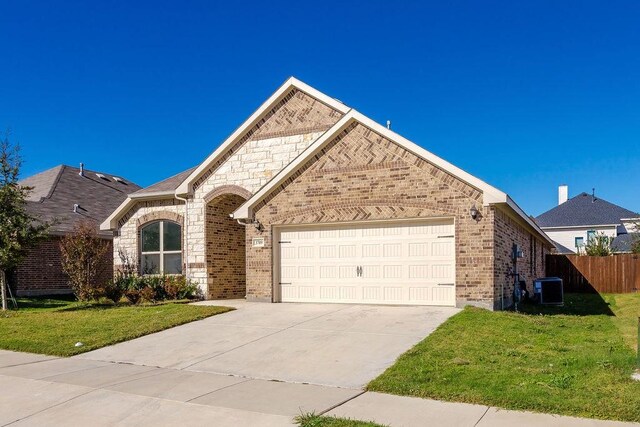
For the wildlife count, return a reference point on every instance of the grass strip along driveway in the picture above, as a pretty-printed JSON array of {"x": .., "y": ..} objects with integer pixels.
[
  {"x": 572, "y": 360},
  {"x": 312, "y": 420},
  {"x": 54, "y": 326}
]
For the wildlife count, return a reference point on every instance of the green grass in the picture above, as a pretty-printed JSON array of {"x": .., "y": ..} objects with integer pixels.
[
  {"x": 627, "y": 310},
  {"x": 54, "y": 326},
  {"x": 312, "y": 420},
  {"x": 573, "y": 360}
]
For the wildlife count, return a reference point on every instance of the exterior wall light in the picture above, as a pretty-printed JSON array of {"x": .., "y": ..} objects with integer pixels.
[{"x": 475, "y": 213}]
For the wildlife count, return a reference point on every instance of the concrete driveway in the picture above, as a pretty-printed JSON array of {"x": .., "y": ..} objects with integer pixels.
[{"x": 324, "y": 344}]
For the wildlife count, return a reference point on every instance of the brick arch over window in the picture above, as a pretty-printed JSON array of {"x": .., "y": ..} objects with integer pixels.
[
  {"x": 227, "y": 189},
  {"x": 160, "y": 215}
]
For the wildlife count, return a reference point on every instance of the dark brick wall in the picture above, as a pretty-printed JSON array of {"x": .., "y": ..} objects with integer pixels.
[
  {"x": 531, "y": 266},
  {"x": 40, "y": 273}
]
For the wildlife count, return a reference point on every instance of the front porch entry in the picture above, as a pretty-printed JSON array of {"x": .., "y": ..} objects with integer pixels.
[{"x": 225, "y": 248}]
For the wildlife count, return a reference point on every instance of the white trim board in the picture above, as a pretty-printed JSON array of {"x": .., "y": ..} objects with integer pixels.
[{"x": 578, "y": 226}]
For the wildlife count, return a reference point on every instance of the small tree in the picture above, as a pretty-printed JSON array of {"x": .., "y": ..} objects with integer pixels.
[
  {"x": 598, "y": 245},
  {"x": 635, "y": 244},
  {"x": 83, "y": 254},
  {"x": 635, "y": 239},
  {"x": 19, "y": 230}
]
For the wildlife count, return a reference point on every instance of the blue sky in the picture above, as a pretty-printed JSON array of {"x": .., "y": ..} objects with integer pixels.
[{"x": 525, "y": 95}]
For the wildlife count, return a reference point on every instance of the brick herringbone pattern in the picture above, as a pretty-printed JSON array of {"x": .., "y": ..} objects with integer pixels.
[{"x": 361, "y": 176}]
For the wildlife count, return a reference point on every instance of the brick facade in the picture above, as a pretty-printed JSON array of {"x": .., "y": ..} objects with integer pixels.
[
  {"x": 225, "y": 249},
  {"x": 40, "y": 273},
  {"x": 507, "y": 232},
  {"x": 362, "y": 176}
]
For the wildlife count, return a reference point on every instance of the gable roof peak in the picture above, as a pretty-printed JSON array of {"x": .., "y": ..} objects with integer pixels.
[{"x": 291, "y": 83}]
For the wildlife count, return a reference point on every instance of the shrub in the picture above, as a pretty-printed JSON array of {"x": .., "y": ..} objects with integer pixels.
[
  {"x": 132, "y": 295},
  {"x": 113, "y": 291},
  {"x": 171, "y": 289},
  {"x": 635, "y": 243},
  {"x": 189, "y": 290},
  {"x": 156, "y": 284},
  {"x": 599, "y": 245},
  {"x": 83, "y": 256},
  {"x": 151, "y": 288},
  {"x": 147, "y": 294}
]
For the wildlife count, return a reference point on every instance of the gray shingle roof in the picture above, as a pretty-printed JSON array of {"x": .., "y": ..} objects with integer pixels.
[
  {"x": 584, "y": 210},
  {"x": 56, "y": 190},
  {"x": 623, "y": 242},
  {"x": 168, "y": 184},
  {"x": 563, "y": 249}
]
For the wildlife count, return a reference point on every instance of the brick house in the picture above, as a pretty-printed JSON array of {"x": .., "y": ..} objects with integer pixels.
[
  {"x": 65, "y": 195},
  {"x": 309, "y": 200}
]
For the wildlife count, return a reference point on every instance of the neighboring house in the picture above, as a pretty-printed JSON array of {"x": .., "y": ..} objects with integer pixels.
[
  {"x": 309, "y": 200},
  {"x": 574, "y": 221},
  {"x": 65, "y": 195}
]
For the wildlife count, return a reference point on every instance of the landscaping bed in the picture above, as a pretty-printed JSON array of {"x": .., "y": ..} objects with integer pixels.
[
  {"x": 572, "y": 360},
  {"x": 54, "y": 326}
]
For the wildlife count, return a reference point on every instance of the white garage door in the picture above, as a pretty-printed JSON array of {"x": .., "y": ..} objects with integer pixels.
[{"x": 375, "y": 263}]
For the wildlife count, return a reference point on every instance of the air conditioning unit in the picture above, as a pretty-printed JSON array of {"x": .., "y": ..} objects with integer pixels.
[{"x": 548, "y": 290}]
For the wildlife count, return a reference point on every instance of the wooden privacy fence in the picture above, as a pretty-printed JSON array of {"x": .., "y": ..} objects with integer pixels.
[{"x": 612, "y": 274}]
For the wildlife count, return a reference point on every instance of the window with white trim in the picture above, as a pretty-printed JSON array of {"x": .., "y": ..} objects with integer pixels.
[{"x": 161, "y": 248}]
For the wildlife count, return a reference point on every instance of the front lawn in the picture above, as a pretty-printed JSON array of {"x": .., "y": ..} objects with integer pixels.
[
  {"x": 573, "y": 360},
  {"x": 54, "y": 326}
]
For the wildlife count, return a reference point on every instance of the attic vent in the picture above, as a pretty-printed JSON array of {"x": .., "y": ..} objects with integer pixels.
[
  {"x": 102, "y": 176},
  {"x": 118, "y": 179}
]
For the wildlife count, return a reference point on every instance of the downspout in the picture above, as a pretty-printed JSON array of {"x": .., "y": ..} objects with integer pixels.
[{"x": 186, "y": 228}]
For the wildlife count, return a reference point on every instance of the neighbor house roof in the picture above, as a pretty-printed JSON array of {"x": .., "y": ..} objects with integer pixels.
[
  {"x": 56, "y": 191},
  {"x": 563, "y": 249},
  {"x": 584, "y": 210},
  {"x": 623, "y": 242}
]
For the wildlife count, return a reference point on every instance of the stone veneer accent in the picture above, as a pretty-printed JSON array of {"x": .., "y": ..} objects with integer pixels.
[
  {"x": 280, "y": 136},
  {"x": 127, "y": 237},
  {"x": 363, "y": 176}
]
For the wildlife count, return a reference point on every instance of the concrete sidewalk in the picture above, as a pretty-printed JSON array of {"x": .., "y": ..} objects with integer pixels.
[{"x": 48, "y": 391}]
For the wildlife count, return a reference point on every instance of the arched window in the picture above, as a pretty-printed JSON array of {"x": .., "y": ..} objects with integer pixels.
[{"x": 161, "y": 248}]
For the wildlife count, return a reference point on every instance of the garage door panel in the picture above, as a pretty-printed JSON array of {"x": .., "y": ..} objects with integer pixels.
[{"x": 392, "y": 263}]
